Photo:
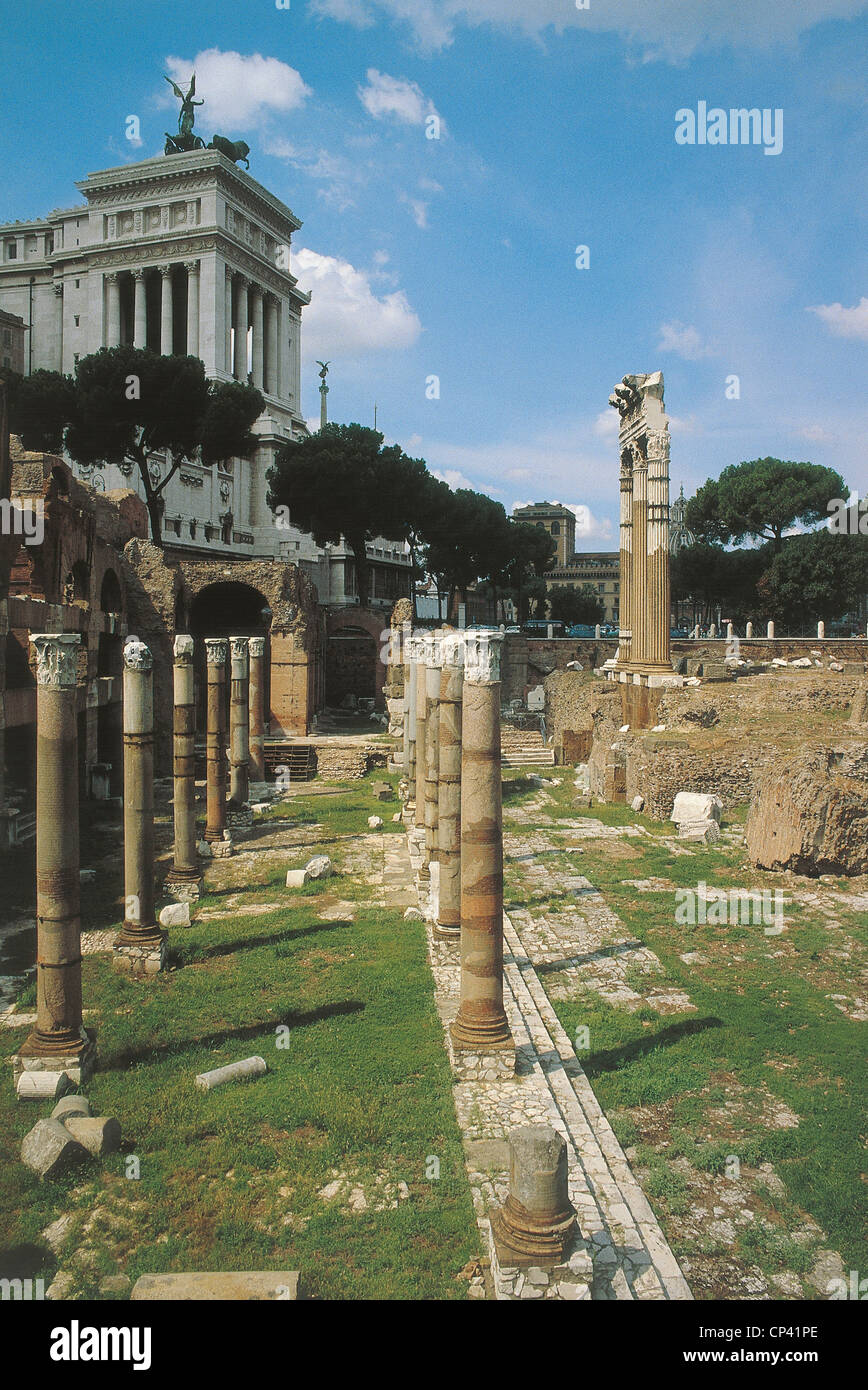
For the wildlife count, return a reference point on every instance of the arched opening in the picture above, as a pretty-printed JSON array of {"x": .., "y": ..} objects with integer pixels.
[
  {"x": 351, "y": 665},
  {"x": 76, "y": 588},
  {"x": 110, "y": 598},
  {"x": 225, "y": 609}
]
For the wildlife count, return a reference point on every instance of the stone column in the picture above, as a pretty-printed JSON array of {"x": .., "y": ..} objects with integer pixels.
[
  {"x": 140, "y": 947},
  {"x": 659, "y": 595},
  {"x": 58, "y": 1042},
  {"x": 113, "y": 334},
  {"x": 625, "y": 606},
  {"x": 215, "y": 654},
  {"x": 230, "y": 320},
  {"x": 448, "y": 920},
  {"x": 821, "y": 629},
  {"x": 241, "y": 324},
  {"x": 256, "y": 650},
  {"x": 258, "y": 343},
  {"x": 748, "y": 632},
  {"x": 432, "y": 747},
  {"x": 481, "y": 1025},
  {"x": 639, "y": 598},
  {"x": 239, "y": 724},
  {"x": 192, "y": 268},
  {"x": 166, "y": 310},
  {"x": 410, "y": 720},
  {"x": 184, "y": 881},
  {"x": 140, "y": 310},
  {"x": 271, "y": 352},
  {"x": 421, "y": 718},
  {"x": 770, "y": 630}
]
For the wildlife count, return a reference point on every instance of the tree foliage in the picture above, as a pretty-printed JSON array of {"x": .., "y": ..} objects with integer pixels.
[
  {"x": 762, "y": 499},
  {"x": 816, "y": 576},
  {"x": 127, "y": 404},
  {"x": 577, "y": 605}
]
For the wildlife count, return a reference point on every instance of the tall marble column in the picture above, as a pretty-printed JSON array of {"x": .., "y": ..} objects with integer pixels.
[
  {"x": 659, "y": 602},
  {"x": 271, "y": 354},
  {"x": 192, "y": 269},
  {"x": 58, "y": 303},
  {"x": 410, "y": 719},
  {"x": 448, "y": 920},
  {"x": 421, "y": 718},
  {"x": 258, "y": 342},
  {"x": 239, "y": 726},
  {"x": 140, "y": 309},
  {"x": 140, "y": 947},
  {"x": 406, "y": 635},
  {"x": 215, "y": 748},
  {"x": 241, "y": 326},
  {"x": 432, "y": 747},
  {"x": 184, "y": 881},
  {"x": 230, "y": 320},
  {"x": 58, "y": 1042},
  {"x": 625, "y": 605},
  {"x": 256, "y": 650},
  {"x": 481, "y": 1026},
  {"x": 640, "y": 644},
  {"x": 166, "y": 311},
  {"x": 113, "y": 332}
]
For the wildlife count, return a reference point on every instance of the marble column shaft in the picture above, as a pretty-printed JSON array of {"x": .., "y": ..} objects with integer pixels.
[
  {"x": 166, "y": 311},
  {"x": 256, "y": 696},
  {"x": 241, "y": 326},
  {"x": 421, "y": 719},
  {"x": 215, "y": 753},
  {"x": 140, "y": 310},
  {"x": 432, "y": 744},
  {"x": 185, "y": 869},
  {"x": 625, "y": 604},
  {"x": 481, "y": 1024},
  {"x": 449, "y": 804},
  {"x": 192, "y": 308},
  {"x": 58, "y": 1030},
  {"x": 140, "y": 927},
  {"x": 239, "y": 723}
]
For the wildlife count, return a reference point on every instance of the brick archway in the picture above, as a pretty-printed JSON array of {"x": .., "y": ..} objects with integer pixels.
[{"x": 342, "y": 623}]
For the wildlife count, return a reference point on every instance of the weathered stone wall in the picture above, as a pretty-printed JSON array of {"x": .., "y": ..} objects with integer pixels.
[{"x": 347, "y": 762}]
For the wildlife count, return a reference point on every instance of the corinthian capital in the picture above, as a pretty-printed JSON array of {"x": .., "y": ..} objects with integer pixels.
[
  {"x": 56, "y": 658},
  {"x": 482, "y": 654}
]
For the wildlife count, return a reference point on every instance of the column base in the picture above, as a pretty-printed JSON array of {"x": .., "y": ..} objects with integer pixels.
[
  {"x": 523, "y": 1240},
  {"x": 142, "y": 956},
  {"x": 479, "y": 1059},
  {"x": 239, "y": 816},
  {"x": 184, "y": 885},
  {"x": 78, "y": 1062},
  {"x": 568, "y": 1280},
  {"x": 445, "y": 932}
]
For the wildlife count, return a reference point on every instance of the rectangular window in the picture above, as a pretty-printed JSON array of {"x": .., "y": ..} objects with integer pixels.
[{"x": 11, "y": 251}]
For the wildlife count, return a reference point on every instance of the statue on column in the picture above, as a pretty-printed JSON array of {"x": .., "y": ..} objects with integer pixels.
[{"x": 185, "y": 139}]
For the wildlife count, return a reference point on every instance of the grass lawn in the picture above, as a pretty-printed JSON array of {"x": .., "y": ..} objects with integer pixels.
[
  {"x": 358, "y": 1096},
  {"x": 763, "y": 1023}
]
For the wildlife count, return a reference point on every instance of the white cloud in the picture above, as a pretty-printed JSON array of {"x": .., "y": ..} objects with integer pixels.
[
  {"x": 418, "y": 209},
  {"x": 240, "y": 91},
  {"x": 683, "y": 339},
  {"x": 844, "y": 323},
  {"x": 606, "y": 424},
  {"x": 453, "y": 477},
  {"x": 395, "y": 96},
  {"x": 341, "y": 178},
  {"x": 345, "y": 318},
  {"x": 667, "y": 29}
]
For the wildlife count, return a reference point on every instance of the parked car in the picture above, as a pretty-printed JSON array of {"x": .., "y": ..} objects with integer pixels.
[
  {"x": 678, "y": 632},
  {"x": 538, "y": 627}
]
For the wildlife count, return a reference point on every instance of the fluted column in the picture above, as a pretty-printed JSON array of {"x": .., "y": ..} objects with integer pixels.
[
  {"x": 113, "y": 331},
  {"x": 659, "y": 652},
  {"x": 184, "y": 880},
  {"x": 192, "y": 269},
  {"x": 230, "y": 320},
  {"x": 239, "y": 726},
  {"x": 410, "y": 719},
  {"x": 215, "y": 752},
  {"x": 256, "y": 650},
  {"x": 406, "y": 635},
  {"x": 639, "y": 645},
  {"x": 448, "y": 920},
  {"x": 241, "y": 324},
  {"x": 166, "y": 310},
  {"x": 481, "y": 1025},
  {"x": 58, "y": 1041},
  {"x": 258, "y": 343},
  {"x": 625, "y": 603},
  {"x": 58, "y": 302},
  {"x": 421, "y": 718},
  {"x": 140, "y": 310},
  {"x": 140, "y": 946},
  {"x": 271, "y": 382}
]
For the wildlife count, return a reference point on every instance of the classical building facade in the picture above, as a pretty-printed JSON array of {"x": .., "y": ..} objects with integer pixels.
[
  {"x": 560, "y": 523},
  {"x": 12, "y": 342},
  {"x": 601, "y": 569},
  {"x": 186, "y": 253}
]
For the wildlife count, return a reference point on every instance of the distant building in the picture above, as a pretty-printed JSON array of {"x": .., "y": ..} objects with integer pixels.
[
  {"x": 12, "y": 330},
  {"x": 679, "y": 536},
  {"x": 601, "y": 569},
  {"x": 560, "y": 523}
]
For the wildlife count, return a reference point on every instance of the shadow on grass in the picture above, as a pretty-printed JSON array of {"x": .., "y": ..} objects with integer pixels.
[
  {"x": 553, "y": 966},
  {"x": 152, "y": 1052},
  {"x": 250, "y": 943},
  {"x": 618, "y": 1057}
]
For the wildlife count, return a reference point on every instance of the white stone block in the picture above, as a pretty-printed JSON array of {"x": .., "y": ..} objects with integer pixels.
[
  {"x": 319, "y": 867},
  {"x": 175, "y": 915},
  {"x": 43, "y": 1085},
  {"x": 696, "y": 806},
  {"x": 246, "y": 1070},
  {"x": 375, "y": 823},
  {"x": 296, "y": 878}
]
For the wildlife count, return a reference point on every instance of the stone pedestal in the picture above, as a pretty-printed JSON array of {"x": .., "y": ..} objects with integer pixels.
[
  {"x": 481, "y": 1026},
  {"x": 140, "y": 947},
  {"x": 447, "y": 922},
  {"x": 256, "y": 691},
  {"x": 58, "y": 1042},
  {"x": 215, "y": 754},
  {"x": 537, "y": 1222},
  {"x": 184, "y": 881}
]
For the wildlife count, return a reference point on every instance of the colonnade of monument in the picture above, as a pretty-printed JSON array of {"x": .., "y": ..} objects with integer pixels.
[
  {"x": 58, "y": 1041},
  {"x": 452, "y": 765}
]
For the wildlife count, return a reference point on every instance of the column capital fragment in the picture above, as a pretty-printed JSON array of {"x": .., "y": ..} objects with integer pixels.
[
  {"x": 183, "y": 649},
  {"x": 215, "y": 651},
  {"x": 56, "y": 658},
  {"x": 482, "y": 656}
]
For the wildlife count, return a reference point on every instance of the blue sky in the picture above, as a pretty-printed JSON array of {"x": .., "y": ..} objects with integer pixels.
[{"x": 456, "y": 257}]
